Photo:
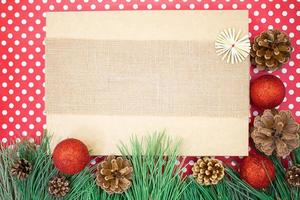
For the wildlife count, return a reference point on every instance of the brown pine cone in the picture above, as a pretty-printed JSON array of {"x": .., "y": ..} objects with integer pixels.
[
  {"x": 208, "y": 171},
  {"x": 270, "y": 50},
  {"x": 21, "y": 169},
  {"x": 276, "y": 131},
  {"x": 292, "y": 176},
  {"x": 58, "y": 186},
  {"x": 114, "y": 174}
]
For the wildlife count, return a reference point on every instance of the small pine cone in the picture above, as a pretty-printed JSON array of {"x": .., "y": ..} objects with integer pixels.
[
  {"x": 114, "y": 174},
  {"x": 270, "y": 50},
  {"x": 21, "y": 169},
  {"x": 208, "y": 171},
  {"x": 292, "y": 176},
  {"x": 58, "y": 186}
]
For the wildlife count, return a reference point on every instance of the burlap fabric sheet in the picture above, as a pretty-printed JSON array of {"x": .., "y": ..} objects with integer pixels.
[{"x": 110, "y": 75}]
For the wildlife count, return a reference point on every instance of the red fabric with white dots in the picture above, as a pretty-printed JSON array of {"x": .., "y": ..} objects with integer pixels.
[{"x": 22, "y": 53}]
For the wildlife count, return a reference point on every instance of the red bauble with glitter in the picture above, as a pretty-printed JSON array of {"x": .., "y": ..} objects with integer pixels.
[
  {"x": 71, "y": 156},
  {"x": 257, "y": 170},
  {"x": 267, "y": 92}
]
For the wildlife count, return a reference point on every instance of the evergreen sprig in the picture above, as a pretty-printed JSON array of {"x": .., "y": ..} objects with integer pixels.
[{"x": 156, "y": 176}]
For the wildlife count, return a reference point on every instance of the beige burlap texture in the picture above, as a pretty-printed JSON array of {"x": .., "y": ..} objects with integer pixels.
[{"x": 113, "y": 74}]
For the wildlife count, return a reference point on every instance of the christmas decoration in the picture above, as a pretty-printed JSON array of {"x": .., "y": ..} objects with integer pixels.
[
  {"x": 114, "y": 174},
  {"x": 257, "y": 170},
  {"x": 293, "y": 176},
  {"x": 21, "y": 169},
  {"x": 270, "y": 50},
  {"x": 157, "y": 175},
  {"x": 70, "y": 156},
  {"x": 208, "y": 171},
  {"x": 276, "y": 131},
  {"x": 267, "y": 92},
  {"x": 58, "y": 186},
  {"x": 232, "y": 46}
]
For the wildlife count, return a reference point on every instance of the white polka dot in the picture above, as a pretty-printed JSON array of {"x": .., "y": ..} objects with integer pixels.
[
  {"x": 255, "y": 113},
  {"x": 17, "y": 126},
  {"x": 177, "y": 6},
  {"x": 256, "y": 27},
  {"x": 291, "y": 20},
  {"x": 24, "y": 133},
  {"x": 270, "y": 27},
  {"x": 277, "y": 20},
  {"x": 297, "y": 113},
  {"x": 24, "y": 91},
  {"x": 291, "y": 106},
  {"x": 4, "y": 112},
  {"x": 4, "y": 140},
  {"x": 135, "y": 6},
  {"x": 79, "y": 7},
  {"x": 249, "y": 6},
  {"x": 270, "y": 13},
  {"x": 4, "y": 126},
  {"x": 38, "y": 119},
  {"x": 256, "y": 13},
  {"x": 284, "y": 99},
  {"x": 51, "y": 7},
  {"x": 4, "y": 98},
  {"x": 107, "y": 6},
  {"x": 234, "y": 6},
  {"x": 206, "y": 6},
  {"x": 284, "y": 27},
  {"x": 284, "y": 13},
  {"x": 11, "y": 133},
  {"x": 263, "y": 20},
  {"x": 298, "y": 85},
  {"x": 284, "y": 70},
  {"x": 93, "y": 6},
  {"x": 292, "y": 6},
  {"x": 297, "y": 99},
  {"x": 291, "y": 92},
  {"x": 121, "y": 6},
  {"x": 149, "y": 6},
  {"x": 93, "y": 162},
  {"x": 298, "y": 56},
  {"x": 38, "y": 133},
  {"x": 31, "y": 112},
  {"x": 263, "y": 6},
  {"x": 65, "y": 7},
  {"x": 191, "y": 162},
  {"x": 233, "y": 163},
  {"x": 291, "y": 77},
  {"x": 192, "y": 6}
]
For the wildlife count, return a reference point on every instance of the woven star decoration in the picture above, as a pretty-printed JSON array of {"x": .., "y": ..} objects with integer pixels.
[{"x": 232, "y": 46}]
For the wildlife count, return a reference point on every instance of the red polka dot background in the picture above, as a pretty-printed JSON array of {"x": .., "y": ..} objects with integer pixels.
[{"x": 22, "y": 54}]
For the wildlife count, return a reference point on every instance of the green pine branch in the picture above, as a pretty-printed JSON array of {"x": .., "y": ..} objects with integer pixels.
[{"x": 156, "y": 176}]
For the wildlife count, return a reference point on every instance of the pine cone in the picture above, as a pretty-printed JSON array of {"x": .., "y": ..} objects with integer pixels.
[
  {"x": 208, "y": 171},
  {"x": 276, "y": 132},
  {"x": 270, "y": 50},
  {"x": 58, "y": 186},
  {"x": 292, "y": 176},
  {"x": 114, "y": 174},
  {"x": 21, "y": 169}
]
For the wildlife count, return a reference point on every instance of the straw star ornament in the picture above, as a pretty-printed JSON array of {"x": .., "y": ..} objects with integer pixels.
[{"x": 232, "y": 46}]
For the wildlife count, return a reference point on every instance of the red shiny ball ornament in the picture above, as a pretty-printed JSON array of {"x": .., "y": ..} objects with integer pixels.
[
  {"x": 257, "y": 170},
  {"x": 267, "y": 92},
  {"x": 71, "y": 156}
]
